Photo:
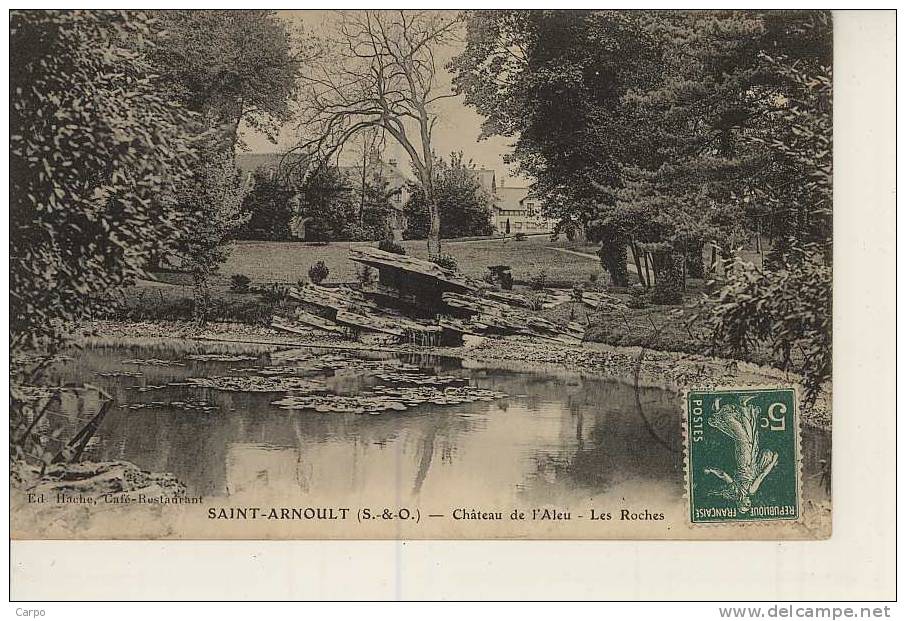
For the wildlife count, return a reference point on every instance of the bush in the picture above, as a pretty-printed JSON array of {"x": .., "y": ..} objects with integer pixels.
[
  {"x": 500, "y": 275},
  {"x": 388, "y": 245},
  {"x": 666, "y": 292},
  {"x": 535, "y": 301},
  {"x": 239, "y": 283},
  {"x": 446, "y": 261},
  {"x": 318, "y": 272},
  {"x": 274, "y": 294},
  {"x": 538, "y": 281},
  {"x": 578, "y": 294},
  {"x": 519, "y": 237},
  {"x": 365, "y": 275},
  {"x": 638, "y": 300}
]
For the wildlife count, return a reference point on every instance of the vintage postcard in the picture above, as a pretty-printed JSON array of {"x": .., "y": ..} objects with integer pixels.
[{"x": 490, "y": 274}]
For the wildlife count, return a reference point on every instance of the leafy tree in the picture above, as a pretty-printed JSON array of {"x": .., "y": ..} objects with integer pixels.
[
  {"x": 377, "y": 70},
  {"x": 788, "y": 305},
  {"x": 95, "y": 148},
  {"x": 212, "y": 199},
  {"x": 555, "y": 81},
  {"x": 232, "y": 67},
  {"x": 666, "y": 130},
  {"x": 328, "y": 203},
  {"x": 236, "y": 67},
  {"x": 268, "y": 209},
  {"x": 463, "y": 205}
]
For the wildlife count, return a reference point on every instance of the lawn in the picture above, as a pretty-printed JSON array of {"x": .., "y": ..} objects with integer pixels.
[{"x": 288, "y": 262}]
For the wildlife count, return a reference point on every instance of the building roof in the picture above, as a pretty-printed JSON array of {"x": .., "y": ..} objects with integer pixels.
[
  {"x": 389, "y": 170},
  {"x": 253, "y": 162},
  {"x": 510, "y": 198}
]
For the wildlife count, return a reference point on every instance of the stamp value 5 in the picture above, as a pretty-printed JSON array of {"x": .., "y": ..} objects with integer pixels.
[{"x": 742, "y": 455}]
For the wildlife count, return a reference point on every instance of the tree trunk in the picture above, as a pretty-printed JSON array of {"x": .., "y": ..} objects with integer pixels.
[
  {"x": 613, "y": 260},
  {"x": 201, "y": 296},
  {"x": 638, "y": 265},
  {"x": 668, "y": 277},
  {"x": 695, "y": 264},
  {"x": 433, "y": 227}
]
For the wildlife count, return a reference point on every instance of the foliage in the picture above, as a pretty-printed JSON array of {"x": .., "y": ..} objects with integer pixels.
[
  {"x": 318, "y": 272},
  {"x": 335, "y": 206},
  {"x": 251, "y": 82},
  {"x": 275, "y": 293},
  {"x": 377, "y": 70},
  {"x": 666, "y": 130},
  {"x": 535, "y": 300},
  {"x": 233, "y": 66},
  {"x": 95, "y": 148},
  {"x": 577, "y": 295},
  {"x": 267, "y": 209},
  {"x": 365, "y": 275},
  {"x": 328, "y": 204},
  {"x": 464, "y": 206},
  {"x": 155, "y": 305},
  {"x": 638, "y": 298},
  {"x": 446, "y": 261},
  {"x": 212, "y": 201},
  {"x": 388, "y": 245},
  {"x": 538, "y": 281},
  {"x": 239, "y": 283},
  {"x": 788, "y": 309}
]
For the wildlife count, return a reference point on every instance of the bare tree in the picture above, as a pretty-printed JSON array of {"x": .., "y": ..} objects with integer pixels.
[{"x": 377, "y": 70}]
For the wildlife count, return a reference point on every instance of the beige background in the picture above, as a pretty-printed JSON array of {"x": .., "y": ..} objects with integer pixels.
[{"x": 856, "y": 563}]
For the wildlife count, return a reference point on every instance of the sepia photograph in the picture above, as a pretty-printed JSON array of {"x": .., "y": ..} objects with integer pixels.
[{"x": 419, "y": 274}]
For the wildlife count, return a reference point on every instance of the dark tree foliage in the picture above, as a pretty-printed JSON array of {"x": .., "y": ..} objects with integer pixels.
[
  {"x": 95, "y": 150},
  {"x": 330, "y": 204},
  {"x": 232, "y": 67},
  {"x": 464, "y": 206},
  {"x": 268, "y": 210},
  {"x": 666, "y": 130}
]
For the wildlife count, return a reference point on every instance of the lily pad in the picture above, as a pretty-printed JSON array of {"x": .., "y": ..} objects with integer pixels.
[
  {"x": 189, "y": 406},
  {"x": 384, "y": 398},
  {"x": 256, "y": 383},
  {"x": 220, "y": 358},
  {"x": 154, "y": 362}
]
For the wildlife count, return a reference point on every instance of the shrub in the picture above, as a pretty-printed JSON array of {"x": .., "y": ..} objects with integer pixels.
[
  {"x": 446, "y": 261},
  {"x": 519, "y": 237},
  {"x": 578, "y": 294},
  {"x": 318, "y": 272},
  {"x": 239, "y": 283},
  {"x": 365, "y": 275},
  {"x": 666, "y": 292},
  {"x": 500, "y": 275},
  {"x": 538, "y": 281},
  {"x": 274, "y": 294},
  {"x": 638, "y": 297},
  {"x": 535, "y": 301},
  {"x": 388, "y": 245}
]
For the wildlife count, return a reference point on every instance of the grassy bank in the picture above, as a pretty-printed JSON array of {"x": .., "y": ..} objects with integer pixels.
[{"x": 288, "y": 262}]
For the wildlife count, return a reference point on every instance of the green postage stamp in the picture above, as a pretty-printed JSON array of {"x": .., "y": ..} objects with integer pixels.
[{"x": 742, "y": 455}]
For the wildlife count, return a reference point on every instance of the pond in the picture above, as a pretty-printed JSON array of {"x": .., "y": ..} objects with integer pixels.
[{"x": 233, "y": 422}]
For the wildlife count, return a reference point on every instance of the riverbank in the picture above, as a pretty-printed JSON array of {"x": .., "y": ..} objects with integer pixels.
[{"x": 645, "y": 367}]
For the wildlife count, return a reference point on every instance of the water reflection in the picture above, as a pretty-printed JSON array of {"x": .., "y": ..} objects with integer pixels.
[{"x": 555, "y": 438}]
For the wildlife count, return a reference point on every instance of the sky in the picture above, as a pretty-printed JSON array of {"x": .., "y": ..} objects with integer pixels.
[{"x": 457, "y": 129}]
